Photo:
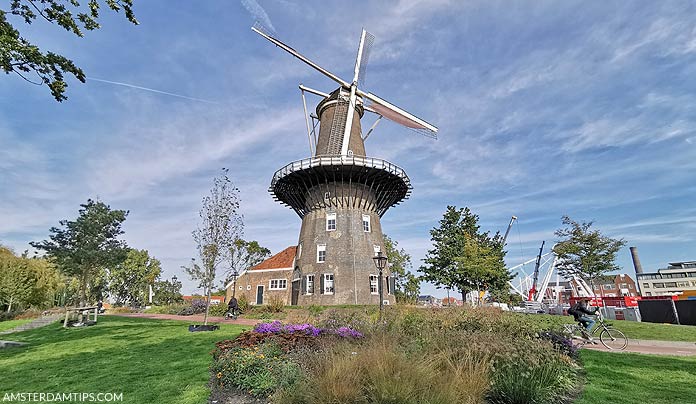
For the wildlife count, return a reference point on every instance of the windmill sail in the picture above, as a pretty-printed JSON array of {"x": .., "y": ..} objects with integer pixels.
[{"x": 377, "y": 104}]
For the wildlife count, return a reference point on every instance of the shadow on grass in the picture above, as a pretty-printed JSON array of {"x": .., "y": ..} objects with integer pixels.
[{"x": 150, "y": 361}]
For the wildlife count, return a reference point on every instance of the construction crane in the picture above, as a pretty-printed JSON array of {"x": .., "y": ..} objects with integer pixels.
[
  {"x": 512, "y": 219},
  {"x": 533, "y": 290}
]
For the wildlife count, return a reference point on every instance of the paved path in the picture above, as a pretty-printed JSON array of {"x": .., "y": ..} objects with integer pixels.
[
  {"x": 196, "y": 318},
  {"x": 675, "y": 348},
  {"x": 38, "y": 322}
]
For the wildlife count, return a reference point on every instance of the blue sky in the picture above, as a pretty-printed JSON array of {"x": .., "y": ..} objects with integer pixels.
[{"x": 544, "y": 109}]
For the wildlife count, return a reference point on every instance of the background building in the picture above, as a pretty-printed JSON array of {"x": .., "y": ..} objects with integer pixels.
[{"x": 673, "y": 280}]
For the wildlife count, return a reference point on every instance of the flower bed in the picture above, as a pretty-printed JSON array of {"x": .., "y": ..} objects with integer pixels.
[{"x": 411, "y": 356}]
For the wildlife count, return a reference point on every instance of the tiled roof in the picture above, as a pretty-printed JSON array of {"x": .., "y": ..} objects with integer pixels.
[{"x": 283, "y": 259}]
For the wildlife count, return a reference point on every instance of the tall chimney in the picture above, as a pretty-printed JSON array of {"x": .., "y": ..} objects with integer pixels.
[{"x": 636, "y": 260}]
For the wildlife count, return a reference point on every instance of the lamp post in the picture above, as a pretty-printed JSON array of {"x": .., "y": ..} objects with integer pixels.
[
  {"x": 235, "y": 274},
  {"x": 380, "y": 263}
]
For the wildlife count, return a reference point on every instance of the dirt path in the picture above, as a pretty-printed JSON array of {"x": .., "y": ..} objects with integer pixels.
[
  {"x": 653, "y": 347},
  {"x": 194, "y": 319}
]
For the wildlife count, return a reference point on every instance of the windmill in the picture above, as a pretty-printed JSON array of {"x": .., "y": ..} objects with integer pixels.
[{"x": 340, "y": 193}]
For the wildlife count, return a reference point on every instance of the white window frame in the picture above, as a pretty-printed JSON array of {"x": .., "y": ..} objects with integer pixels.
[
  {"x": 374, "y": 283},
  {"x": 309, "y": 282},
  {"x": 321, "y": 248},
  {"x": 281, "y": 284},
  {"x": 326, "y": 284},
  {"x": 367, "y": 226},
  {"x": 377, "y": 249},
  {"x": 299, "y": 251},
  {"x": 330, "y": 220}
]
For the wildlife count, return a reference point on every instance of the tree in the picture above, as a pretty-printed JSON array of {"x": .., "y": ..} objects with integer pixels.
[
  {"x": 221, "y": 224},
  {"x": 167, "y": 292},
  {"x": 15, "y": 280},
  {"x": 130, "y": 280},
  {"x": 26, "y": 281},
  {"x": 463, "y": 257},
  {"x": 407, "y": 285},
  {"x": 585, "y": 252},
  {"x": 18, "y": 55},
  {"x": 88, "y": 244},
  {"x": 243, "y": 255}
]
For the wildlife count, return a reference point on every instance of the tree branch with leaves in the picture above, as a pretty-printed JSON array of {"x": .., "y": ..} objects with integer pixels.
[
  {"x": 585, "y": 252},
  {"x": 18, "y": 55}
]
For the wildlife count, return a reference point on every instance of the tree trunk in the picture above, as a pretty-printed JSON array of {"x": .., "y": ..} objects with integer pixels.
[
  {"x": 83, "y": 289},
  {"x": 207, "y": 306},
  {"x": 9, "y": 307},
  {"x": 463, "y": 296}
]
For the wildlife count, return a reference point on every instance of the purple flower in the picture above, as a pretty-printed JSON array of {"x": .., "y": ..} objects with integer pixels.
[
  {"x": 269, "y": 328},
  {"x": 347, "y": 332}
]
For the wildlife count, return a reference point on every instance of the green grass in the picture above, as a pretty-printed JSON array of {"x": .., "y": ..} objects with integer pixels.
[
  {"x": 636, "y": 378},
  {"x": 6, "y": 325},
  {"x": 632, "y": 329},
  {"x": 149, "y": 361}
]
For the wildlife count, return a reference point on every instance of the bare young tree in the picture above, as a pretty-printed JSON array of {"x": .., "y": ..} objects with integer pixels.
[{"x": 220, "y": 225}]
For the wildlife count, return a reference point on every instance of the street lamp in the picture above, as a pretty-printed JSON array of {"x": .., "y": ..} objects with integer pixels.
[
  {"x": 380, "y": 263},
  {"x": 235, "y": 274}
]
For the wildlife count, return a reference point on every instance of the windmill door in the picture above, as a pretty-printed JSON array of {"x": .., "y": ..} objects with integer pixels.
[
  {"x": 259, "y": 294},
  {"x": 295, "y": 292}
]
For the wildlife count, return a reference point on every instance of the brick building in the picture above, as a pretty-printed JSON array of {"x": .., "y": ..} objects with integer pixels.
[
  {"x": 615, "y": 286},
  {"x": 278, "y": 277},
  {"x": 269, "y": 279}
]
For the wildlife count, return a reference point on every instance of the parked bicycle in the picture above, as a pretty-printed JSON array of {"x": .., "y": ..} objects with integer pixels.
[{"x": 609, "y": 336}]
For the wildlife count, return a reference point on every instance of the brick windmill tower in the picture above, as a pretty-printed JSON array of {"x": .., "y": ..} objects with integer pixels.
[{"x": 340, "y": 193}]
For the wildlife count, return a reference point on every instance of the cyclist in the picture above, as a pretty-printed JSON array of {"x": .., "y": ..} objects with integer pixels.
[
  {"x": 232, "y": 308},
  {"x": 581, "y": 312}
]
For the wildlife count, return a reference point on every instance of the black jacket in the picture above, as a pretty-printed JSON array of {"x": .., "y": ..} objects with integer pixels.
[{"x": 579, "y": 309}]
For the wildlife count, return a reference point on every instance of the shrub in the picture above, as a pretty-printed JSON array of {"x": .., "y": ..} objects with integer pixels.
[
  {"x": 197, "y": 306},
  {"x": 259, "y": 370},
  {"x": 531, "y": 371},
  {"x": 243, "y": 303},
  {"x": 218, "y": 310},
  {"x": 275, "y": 305},
  {"x": 5, "y": 316},
  {"x": 380, "y": 372}
]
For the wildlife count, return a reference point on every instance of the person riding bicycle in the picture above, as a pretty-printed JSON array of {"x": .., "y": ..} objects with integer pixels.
[
  {"x": 581, "y": 312},
  {"x": 233, "y": 307}
]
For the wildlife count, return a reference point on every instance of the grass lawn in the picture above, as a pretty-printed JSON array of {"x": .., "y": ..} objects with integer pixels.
[
  {"x": 149, "y": 361},
  {"x": 6, "y": 325},
  {"x": 632, "y": 329},
  {"x": 636, "y": 378}
]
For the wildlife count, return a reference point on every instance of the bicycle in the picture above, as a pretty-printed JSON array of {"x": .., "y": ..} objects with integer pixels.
[
  {"x": 232, "y": 314},
  {"x": 609, "y": 336}
]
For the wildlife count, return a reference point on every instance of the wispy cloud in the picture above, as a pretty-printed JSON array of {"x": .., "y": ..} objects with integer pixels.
[{"x": 152, "y": 90}]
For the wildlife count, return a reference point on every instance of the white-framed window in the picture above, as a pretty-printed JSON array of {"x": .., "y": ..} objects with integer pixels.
[
  {"x": 309, "y": 284},
  {"x": 377, "y": 249},
  {"x": 321, "y": 253},
  {"x": 366, "y": 223},
  {"x": 278, "y": 284},
  {"x": 373, "y": 285},
  {"x": 328, "y": 284},
  {"x": 330, "y": 221},
  {"x": 299, "y": 251}
]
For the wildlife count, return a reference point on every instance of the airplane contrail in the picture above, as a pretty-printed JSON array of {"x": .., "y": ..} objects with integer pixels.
[
  {"x": 151, "y": 90},
  {"x": 259, "y": 13}
]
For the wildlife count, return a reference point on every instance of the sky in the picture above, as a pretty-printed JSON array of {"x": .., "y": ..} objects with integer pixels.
[{"x": 544, "y": 109}]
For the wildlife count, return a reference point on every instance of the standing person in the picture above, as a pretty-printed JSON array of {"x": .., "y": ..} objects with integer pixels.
[{"x": 582, "y": 312}]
